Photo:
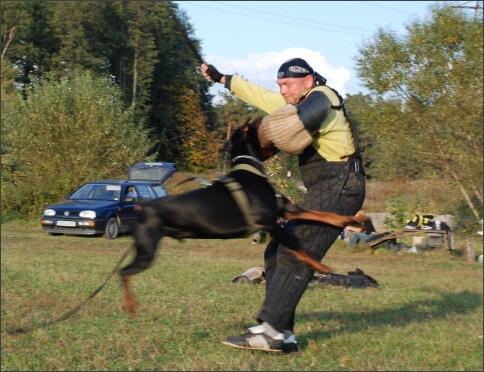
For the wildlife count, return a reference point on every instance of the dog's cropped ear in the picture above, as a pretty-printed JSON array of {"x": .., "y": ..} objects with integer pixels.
[{"x": 245, "y": 126}]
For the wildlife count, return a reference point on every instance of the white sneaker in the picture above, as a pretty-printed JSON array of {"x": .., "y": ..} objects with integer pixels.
[{"x": 264, "y": 337}]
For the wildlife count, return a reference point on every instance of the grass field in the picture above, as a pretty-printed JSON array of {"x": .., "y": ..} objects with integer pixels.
[{"x": 426, "y": 315}]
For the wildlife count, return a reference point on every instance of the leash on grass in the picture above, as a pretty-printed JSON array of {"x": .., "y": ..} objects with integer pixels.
[{"x": 28, "y": 329}]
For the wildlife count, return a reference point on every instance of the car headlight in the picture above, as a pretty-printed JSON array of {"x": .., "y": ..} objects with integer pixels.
[
  {"x": 49, "y": 212},
  {"x": 87, "y": 214}
]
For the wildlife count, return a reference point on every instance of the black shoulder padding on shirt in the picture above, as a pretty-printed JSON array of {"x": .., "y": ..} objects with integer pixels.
[
  {"x": 313, "y": 109},
  {"x": 228, "y": 80}
]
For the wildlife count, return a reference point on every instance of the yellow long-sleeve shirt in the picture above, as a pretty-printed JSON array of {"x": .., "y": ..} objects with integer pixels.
[{"x": 331, "y": 133}]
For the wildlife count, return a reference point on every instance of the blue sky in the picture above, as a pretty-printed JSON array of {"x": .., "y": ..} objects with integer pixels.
[{"x": 253, "y": 38}]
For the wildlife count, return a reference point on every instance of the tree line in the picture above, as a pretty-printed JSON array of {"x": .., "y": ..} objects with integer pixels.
[
  {"x": 424, "y": 116},
  {"x": 137, "y": 45},
  {"x": 93, "y": 87}
]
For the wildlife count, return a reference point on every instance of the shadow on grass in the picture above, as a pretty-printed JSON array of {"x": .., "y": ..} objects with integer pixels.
[{"x": 417, "y": 311}]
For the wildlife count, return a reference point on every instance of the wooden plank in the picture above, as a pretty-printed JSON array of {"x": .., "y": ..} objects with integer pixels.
[
  {"x": 402, "y": 233},
  {"x": 468, "y": 252}
]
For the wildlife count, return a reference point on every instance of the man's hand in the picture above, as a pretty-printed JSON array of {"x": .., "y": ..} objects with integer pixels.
[{"x": 211, "y": 74}]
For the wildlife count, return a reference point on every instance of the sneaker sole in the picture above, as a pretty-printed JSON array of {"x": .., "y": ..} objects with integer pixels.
[{"x": 251, "y": 348}]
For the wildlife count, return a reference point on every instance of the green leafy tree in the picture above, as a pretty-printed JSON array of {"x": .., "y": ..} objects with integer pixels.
[
  {"x": 138, "y": 43},
  {"x": 66, "y": 132},
  {"x": 195, "y": 142},
  {"x": 33, "y": 41},
  {"x": 176, "y": 73},
  {"x": 426, "y": 113}
]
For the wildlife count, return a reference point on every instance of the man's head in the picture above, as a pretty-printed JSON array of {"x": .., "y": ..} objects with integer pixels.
[
  {"x": 294, "y": 68},
  {"x": 295, "y": 77}
]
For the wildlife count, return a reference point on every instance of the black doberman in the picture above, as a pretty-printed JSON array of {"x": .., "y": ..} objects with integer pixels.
[{"x": 232, "y": 207}]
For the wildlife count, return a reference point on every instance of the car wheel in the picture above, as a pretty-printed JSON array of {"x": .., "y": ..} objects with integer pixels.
[{"x": 112, "y": 229}]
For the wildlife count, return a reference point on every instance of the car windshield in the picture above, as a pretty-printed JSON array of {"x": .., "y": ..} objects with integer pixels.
[{"x": 98, "y": 191}]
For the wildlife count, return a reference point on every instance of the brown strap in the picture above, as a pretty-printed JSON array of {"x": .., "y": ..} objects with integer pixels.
[
  {"x": 249, "y": 168},
  {"x": 242, "y": 201}
]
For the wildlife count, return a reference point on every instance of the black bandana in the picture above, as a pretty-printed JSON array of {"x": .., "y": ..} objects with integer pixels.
[{"x": 294, "y": 68}]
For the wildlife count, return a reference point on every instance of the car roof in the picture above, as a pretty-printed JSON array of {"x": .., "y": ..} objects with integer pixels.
[
  {"x": 146, "y": 173},
  {"x": 128, "y": 182}
]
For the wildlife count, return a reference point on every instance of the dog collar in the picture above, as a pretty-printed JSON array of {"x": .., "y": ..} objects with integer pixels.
[{"x": 249, "y": 167}]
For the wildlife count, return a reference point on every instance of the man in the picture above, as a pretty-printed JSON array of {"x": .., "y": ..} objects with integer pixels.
[
  {"x": 364, "y": 234},
  {"x": 306, "y": 118}
]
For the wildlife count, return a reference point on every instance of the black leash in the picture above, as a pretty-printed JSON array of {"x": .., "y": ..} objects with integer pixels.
[
  {"x": 184, "y": 34},
  {"x": 28, "y": 329}
]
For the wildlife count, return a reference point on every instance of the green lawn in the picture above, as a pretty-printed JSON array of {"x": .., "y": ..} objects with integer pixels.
[{"x": 426, "y": 315}]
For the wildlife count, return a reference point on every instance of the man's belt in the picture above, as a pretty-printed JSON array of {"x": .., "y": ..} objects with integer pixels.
[{"x": 356, "y": 166}]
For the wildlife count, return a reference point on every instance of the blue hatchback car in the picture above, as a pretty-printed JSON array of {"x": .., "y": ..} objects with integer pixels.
[{"x": 107, "y": 207}]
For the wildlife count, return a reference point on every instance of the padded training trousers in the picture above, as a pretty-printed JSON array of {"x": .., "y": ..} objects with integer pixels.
[{"x": 332, "y": 187}]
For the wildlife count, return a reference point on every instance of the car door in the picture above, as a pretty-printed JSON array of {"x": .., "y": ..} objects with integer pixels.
[
  {"x": 133, "y": 195},
  {"x": 145, "y": 192},
  {"x": 127, "y": 212}
]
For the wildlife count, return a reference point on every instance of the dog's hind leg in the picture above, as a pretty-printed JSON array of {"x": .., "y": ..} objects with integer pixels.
[
  {"x": 294, "y": 212},
  {"x": 293, "y": 244},
  {"x": 308, "y": 260}
]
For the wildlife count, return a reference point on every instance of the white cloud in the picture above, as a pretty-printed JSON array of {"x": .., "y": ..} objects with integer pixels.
[{"x": 262, "y": 68}]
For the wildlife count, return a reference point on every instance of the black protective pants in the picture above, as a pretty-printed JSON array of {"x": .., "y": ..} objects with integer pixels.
[{"x": 332, "y": 187}]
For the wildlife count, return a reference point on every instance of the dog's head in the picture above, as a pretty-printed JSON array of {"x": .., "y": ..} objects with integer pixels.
[
  {"x": 265, "y": 152},
  {"x": 235, "y": 137},
  {"x": 245, "y": 140}
]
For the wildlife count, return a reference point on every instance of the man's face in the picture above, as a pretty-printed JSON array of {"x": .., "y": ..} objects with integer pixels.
[{"x": 292, "y": 89}]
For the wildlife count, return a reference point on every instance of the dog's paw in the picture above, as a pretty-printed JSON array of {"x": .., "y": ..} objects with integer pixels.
[{"x": 361, "y": 216}]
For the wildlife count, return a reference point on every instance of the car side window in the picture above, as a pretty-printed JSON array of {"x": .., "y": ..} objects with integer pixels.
[
  {"x": 130, "y": 192},
  {"x": 145, "y": 192},
  {"x": 159, "y": 191}
]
